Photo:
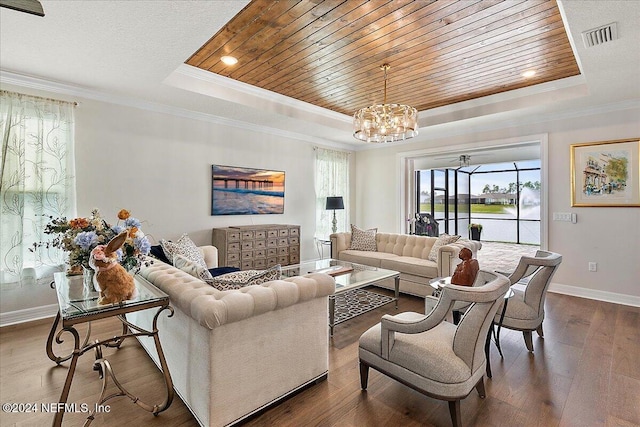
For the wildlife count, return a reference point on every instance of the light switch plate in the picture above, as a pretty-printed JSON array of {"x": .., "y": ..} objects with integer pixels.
[{"x": 560, "y": 216}]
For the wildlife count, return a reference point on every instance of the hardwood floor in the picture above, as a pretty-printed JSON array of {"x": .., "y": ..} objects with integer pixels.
[{"x": 585, "y": 372}]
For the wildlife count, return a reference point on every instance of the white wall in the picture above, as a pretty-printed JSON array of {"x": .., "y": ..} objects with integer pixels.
[
  {"x": 158, "y": 166},
  {"x": 608, "y": 236}
]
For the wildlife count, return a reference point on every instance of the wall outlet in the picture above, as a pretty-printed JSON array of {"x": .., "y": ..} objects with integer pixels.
[{"x": 593, "y": 266}]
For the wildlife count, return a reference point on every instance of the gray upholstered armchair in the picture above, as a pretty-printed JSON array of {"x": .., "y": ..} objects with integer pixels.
[
  {"x": 430, "y": 355},
  {"x": 531, "y": 279}
]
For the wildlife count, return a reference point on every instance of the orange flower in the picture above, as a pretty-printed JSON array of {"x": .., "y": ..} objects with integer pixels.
[
  {"x": 123, "y": 214},
  {"x": 133, "y": 231},
  {"x": 79, "y": 223}
]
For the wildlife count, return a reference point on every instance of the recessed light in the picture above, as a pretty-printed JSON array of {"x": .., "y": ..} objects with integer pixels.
[
  {"x": 528, "y": 74},
  {"x": 229, "y": 60}
]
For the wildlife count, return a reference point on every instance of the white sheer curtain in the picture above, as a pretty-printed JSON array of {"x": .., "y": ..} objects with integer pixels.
[
  {"x": 36, "y": 182},
  {"x": 331, "y": 179}
]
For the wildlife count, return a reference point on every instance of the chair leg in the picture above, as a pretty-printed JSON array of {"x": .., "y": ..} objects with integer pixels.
[
  {"x": 480, "y": 388},
  {"x": 454, "y": 410},
  {"x": 364, "y": 375},
  {"x": 456, "y": 317},
  {"x": 528, "y": 340},
  {"x": 540, "y": 331}
]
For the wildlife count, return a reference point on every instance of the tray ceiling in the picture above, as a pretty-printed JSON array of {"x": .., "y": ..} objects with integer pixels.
[{"x": 329, "y": 52}]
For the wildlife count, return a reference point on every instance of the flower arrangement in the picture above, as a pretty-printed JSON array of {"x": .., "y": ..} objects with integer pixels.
[
  {"x": 476, "y": 226},
  {"x": 80, "y": 235}
]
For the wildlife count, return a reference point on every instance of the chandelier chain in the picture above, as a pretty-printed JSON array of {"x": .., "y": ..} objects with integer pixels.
[{"x": 385, "y": 67}]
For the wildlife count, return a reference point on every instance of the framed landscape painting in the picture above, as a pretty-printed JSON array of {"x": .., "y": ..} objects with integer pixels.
[
  {"x": 606, "y": 173},
  {"x": 245, "y": 191}
]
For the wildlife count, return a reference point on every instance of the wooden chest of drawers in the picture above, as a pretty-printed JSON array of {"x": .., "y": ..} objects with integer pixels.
[{"x": 257, "y": 246}]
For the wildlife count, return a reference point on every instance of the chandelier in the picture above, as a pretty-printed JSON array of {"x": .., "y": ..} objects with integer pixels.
[{"x": 385, "y": 122}]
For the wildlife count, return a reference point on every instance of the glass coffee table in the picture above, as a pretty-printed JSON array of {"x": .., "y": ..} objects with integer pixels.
[{"x": 348, "y": 276}]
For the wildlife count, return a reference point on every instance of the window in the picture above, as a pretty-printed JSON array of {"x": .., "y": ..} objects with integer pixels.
[
  {"x": 331, "y": 179},
  {"x": 36, "y": 181}
]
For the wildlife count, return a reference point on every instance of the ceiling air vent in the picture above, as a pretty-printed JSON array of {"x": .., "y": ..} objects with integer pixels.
[{"x": 600, "y": 35}]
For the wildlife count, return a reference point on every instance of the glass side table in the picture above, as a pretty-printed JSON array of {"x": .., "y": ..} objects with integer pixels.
[{"x": 77, "y": 306}]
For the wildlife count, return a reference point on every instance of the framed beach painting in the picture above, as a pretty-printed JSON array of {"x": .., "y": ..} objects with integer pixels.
[
  {"x": 606, "y": 173},
  {"x": 245, "y": 191}
]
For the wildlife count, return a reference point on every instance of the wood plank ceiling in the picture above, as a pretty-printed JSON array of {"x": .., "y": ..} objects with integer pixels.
[{"x": 329, "y": 52}]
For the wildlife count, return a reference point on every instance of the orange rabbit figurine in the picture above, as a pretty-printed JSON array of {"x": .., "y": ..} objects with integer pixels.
[{"x": 112, "y": 280}]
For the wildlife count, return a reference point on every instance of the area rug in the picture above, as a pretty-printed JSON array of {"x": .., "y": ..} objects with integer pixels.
[{"x": 355, "y": 302}]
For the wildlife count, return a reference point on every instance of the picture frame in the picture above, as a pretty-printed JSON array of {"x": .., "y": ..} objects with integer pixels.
[
  {"x": 606, "y": 173},
  {"x": 246, "y": 191}
]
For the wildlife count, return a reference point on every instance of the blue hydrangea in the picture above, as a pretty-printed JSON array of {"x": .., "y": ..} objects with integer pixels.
[
  {"x": 142, "y": 244},
  {"x": 86, "y": 240},
  {"x": 132, "y": 222},
  {"x": 117, "y": 229},
  {"x": 119, "y": 254}
]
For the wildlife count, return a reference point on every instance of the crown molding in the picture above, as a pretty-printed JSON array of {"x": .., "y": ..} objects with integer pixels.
[
  {"x": 569, "y": 87},
  {"x": 221, "y": 84},
  {"x": 40, "y": 84}
]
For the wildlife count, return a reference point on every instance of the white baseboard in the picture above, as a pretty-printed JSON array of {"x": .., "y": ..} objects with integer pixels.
[
  {"x": 595, "y": 294},
  {"x": 28, "y": 314}
]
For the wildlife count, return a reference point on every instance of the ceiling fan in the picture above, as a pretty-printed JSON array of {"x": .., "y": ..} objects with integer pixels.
[
  {"x": 463, "y": 160},
  {"x": 28, "y": 6}
]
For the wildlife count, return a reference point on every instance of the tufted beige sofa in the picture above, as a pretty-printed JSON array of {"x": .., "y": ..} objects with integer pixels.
[
  {"x": 407, "y": 254},
  {"x": 233, "y": 353}
]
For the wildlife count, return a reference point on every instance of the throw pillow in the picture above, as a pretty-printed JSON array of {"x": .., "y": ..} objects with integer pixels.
[
  {"x": 157, "y": 252},
  {"x": 218, "y": 271},
  {"x": 185, "y": 247},
  {"x": 244, "y": 278},
  {"x": 188, "y": 266},
  {"x": 363, "y": 240},
  {"x": 443, "y": 239}
]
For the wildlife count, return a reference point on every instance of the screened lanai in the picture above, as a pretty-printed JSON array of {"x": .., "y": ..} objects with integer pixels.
[{"x": 501, "y": 199}]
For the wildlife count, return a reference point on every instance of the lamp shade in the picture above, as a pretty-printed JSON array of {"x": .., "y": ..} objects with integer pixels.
[{"x": 334, "y": 203}]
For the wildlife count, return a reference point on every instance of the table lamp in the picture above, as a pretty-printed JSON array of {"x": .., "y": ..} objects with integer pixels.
[{"x": 334, "y": 203}]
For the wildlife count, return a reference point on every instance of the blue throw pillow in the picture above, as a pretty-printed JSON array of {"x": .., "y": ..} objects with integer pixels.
[
  {"x": 222, "y": 270},
  {"x": 157, "y": 252}
]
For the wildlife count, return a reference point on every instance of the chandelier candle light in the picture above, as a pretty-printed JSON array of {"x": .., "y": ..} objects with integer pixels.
[{"x": 385, "y": 122}]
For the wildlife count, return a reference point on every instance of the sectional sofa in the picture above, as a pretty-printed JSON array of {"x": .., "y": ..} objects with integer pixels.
[
  {"x": 408, "y": 254},
  {"x": 233, "y": 353}
]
